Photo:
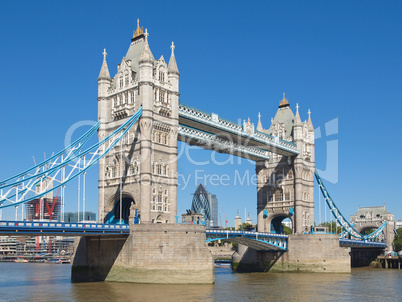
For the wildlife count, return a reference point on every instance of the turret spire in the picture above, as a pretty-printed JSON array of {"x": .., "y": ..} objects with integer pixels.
[
  {"x": 297, "y": 120},
  {"x": 146, "y": 54},
  {"x": 284, "y": 102},
  {"x": 139, "y": 31},
  {"x": 309, "y": 122},
  {"x": 259, "y": 125},
  {"x": 172, "y": 67},
  {"x": 104, "y": 72}
]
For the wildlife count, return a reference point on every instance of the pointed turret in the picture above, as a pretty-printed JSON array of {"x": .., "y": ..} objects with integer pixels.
[
  {"x": 104, "y": 79},
  {"x": 146, "y": 55},
  {"x": 104, "y": 72},
  {"x": 309, "y": 122},
  {"x": 172, "y": 67},
  {"x": 284, "y": 116},
  {"x": 297, "y": 126},
  {"x": 297, "y": 120},
  {"x": 259, "y": 125}
]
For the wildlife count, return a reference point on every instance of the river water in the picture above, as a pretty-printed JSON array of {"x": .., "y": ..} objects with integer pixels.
[{"x": 51, "y": 282}]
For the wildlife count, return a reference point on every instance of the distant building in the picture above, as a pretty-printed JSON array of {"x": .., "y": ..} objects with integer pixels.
[
  {"x": 206, "y": 204},
  {"x": 191, "y": 218},
  {"x": 237, "y": 221},
  {"x": 214, "y": 209},
  {"x": 73, "y": 216}
]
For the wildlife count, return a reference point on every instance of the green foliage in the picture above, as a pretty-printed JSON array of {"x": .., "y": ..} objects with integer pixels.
[
  {"x": 245, "y": 226},
  {"x": 287, "y": 230},
  {"x": 398, "y": 240},
  {"x": 367, "y": 232},
  {"x": 332, "y": 227},
  {"x": 229, "y": 228}
]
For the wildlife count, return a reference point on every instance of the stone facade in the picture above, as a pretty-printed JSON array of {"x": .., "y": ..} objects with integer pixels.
[
  {"x": 152, "y": 253},
  {"x": 367, "y": 218},
  {"x": 285, "y": 185},
  {"x": 306, "y": 253},
  {"x": 146, "y": 160}
]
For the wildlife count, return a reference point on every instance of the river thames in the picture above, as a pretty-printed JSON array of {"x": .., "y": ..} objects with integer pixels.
[{"x": 51, "y": 282}]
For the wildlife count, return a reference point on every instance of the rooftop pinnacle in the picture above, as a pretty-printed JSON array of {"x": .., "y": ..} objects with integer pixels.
[
  {"x": 172, "y": 67},
  {"x": 104, "y": 72}
]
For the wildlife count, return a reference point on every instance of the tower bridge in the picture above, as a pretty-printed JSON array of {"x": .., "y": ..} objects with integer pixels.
[{"x": 140, "y": 122}]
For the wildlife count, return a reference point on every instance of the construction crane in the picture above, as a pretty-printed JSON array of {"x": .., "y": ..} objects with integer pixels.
[{"x": 226, "y": 219}]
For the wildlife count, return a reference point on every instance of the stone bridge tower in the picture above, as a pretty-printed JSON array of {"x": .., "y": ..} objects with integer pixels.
[
  {"x": 286, "y": 184},
  {"x": 369, "y": 218},
  {"x": 143, "y": 169}
]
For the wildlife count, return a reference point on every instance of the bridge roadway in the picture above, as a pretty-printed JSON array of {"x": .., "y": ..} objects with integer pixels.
[
  {"x": 41, "y": 228},
  {"x": 256, "y": 240}
]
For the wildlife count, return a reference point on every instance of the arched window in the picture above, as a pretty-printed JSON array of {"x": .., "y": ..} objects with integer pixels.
[
  {"x": 279, "y": 194},
  {"x": 278, "y": 176},
  {"x": 270, "y": 196},
  {"x": 287, "y": 195}
]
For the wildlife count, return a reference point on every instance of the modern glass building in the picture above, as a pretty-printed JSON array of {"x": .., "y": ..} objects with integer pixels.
[
  {"x": 206, "y": 204},
  {"x": 73, "y": 216}
]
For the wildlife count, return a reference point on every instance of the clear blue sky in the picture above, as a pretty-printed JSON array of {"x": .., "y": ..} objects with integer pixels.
[{"x": 340, "y": 59}]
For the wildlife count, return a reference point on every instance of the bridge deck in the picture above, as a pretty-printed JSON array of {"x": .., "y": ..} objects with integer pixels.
[
  {"x": 36, "y": 228},
  {"x": 361, "y": 243}
]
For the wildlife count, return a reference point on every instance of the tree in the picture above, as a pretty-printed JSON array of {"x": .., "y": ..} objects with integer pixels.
[
  {"x": 398, "y": 240},
  {"x": 246, "y": 226},
  {"x": 332, "y": 227},
  {"x": 286, "y": 230}
]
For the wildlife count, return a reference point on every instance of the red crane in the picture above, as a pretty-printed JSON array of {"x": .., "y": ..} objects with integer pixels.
[{"x": 226, "y": 219}]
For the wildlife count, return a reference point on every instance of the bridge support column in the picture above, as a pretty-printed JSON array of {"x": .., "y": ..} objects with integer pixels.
[
  {"x": 306, "y": 253},
  {"x": 152, "y": 253},
  {"x": 249, "y": 260}
]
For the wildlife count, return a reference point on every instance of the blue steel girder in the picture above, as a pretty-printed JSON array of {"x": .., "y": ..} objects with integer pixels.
[
  {"x": 213, "y": 142},
  {"x": 254, "y": 240},
  {"x": 60, "y": 170},
  {"x": 213, "y": 124},
  {"x": 343, "y": 242},
  {"x": 41, "y": 228},
  {"x": 345, "y": 224}
]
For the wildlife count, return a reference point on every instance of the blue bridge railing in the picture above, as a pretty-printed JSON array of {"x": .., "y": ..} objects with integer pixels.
[{"x": 61, "y": 228}]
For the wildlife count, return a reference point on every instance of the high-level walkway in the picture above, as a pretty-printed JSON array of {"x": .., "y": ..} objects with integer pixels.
[{"x": 210, "y": 131}]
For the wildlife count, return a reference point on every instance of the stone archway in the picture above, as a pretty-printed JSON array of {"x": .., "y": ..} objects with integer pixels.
[
  {"x": 274, "y": 223},
  {"x": 159, "y": 219},
  {"x": 114, "y": 215}
]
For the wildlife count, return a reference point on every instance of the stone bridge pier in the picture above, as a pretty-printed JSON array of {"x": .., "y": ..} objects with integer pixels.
[
  {"x": 306, "y": 253},
  {"x": 152, "y": 253}
]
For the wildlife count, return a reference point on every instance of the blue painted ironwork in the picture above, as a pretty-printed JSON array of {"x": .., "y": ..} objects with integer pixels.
[
  {"x": 261, "y": 140},
  {"x": 256, "y": 240},
  {"x": 349, "y": 228},
  {"x": 27, "y": 228},
  {"x": 344, "y": 242},
  {"x": 52, "y": 171}
]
